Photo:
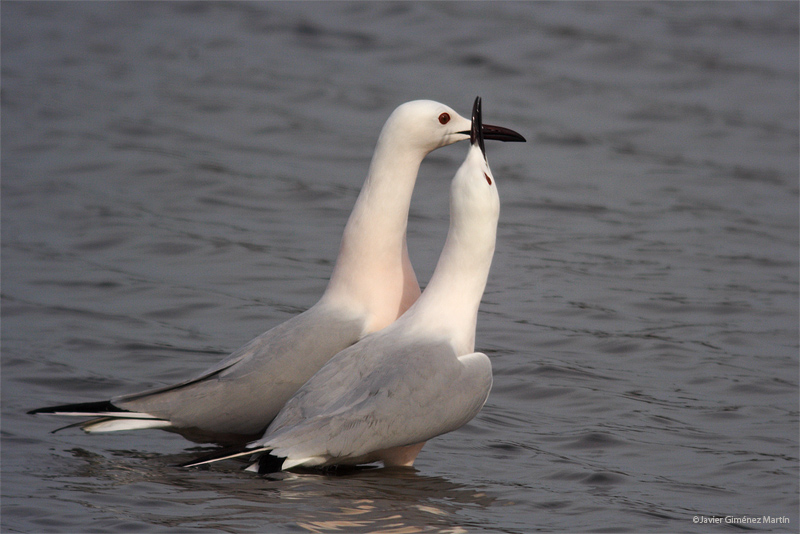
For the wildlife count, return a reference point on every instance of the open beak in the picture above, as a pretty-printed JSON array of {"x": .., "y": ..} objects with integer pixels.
[
  {"x": 477, "y": 132},
  {"x": 496, "y": 133}
]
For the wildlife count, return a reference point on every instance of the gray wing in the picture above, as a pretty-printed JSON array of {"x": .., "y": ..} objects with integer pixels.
[
  {"x": 244, "y": 392},
  {"x": 376, "y": 395}
]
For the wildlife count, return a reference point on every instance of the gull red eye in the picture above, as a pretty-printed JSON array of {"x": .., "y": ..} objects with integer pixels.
[
  {"x": 444, "y": 118},
  {"x": 488, "y": 180}
]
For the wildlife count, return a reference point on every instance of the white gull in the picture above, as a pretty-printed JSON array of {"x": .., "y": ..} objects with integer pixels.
[{"x": 384, "y": 397}]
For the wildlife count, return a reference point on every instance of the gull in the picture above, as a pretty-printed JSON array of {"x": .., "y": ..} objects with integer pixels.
[
  {"x": 382, "y": 398},
  {"x": 372, "y": 284}
]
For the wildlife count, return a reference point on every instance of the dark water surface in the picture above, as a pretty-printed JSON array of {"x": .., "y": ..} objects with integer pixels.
[{"x": 176, "y": 177}]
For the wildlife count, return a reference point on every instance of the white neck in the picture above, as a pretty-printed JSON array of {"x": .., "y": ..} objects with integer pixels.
[
  {"x": 373, "y": 273},
  {"x": 449, "y": 304}
]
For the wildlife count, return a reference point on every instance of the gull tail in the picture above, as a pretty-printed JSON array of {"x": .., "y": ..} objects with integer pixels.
[
  {"x": 263, "y": 462},
  {"x": 107, "y": 417}
]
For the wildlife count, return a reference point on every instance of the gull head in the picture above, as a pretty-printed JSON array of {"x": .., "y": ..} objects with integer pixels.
[
  {"x": 474, "y": 202},
  {"x": 427, "y": 125}
]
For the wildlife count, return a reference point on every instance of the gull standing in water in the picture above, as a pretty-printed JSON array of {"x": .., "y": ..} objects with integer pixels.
[
  {"x": 384, "y": 397},
  {"x": 372, "y": 284}
]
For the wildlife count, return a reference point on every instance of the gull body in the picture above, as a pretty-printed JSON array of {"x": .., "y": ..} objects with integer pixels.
[
  {"x": 372, "y": 283},
  {"x": 384, "y": 397}
]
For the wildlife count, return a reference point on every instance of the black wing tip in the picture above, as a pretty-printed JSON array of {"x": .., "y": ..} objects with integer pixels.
[
  {"x": 88, "y": 407},
  {"x": 267, "y": 463}
]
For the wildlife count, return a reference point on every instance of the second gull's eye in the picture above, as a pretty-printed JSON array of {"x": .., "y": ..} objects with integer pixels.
[{"x": 444, "y": 118}]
